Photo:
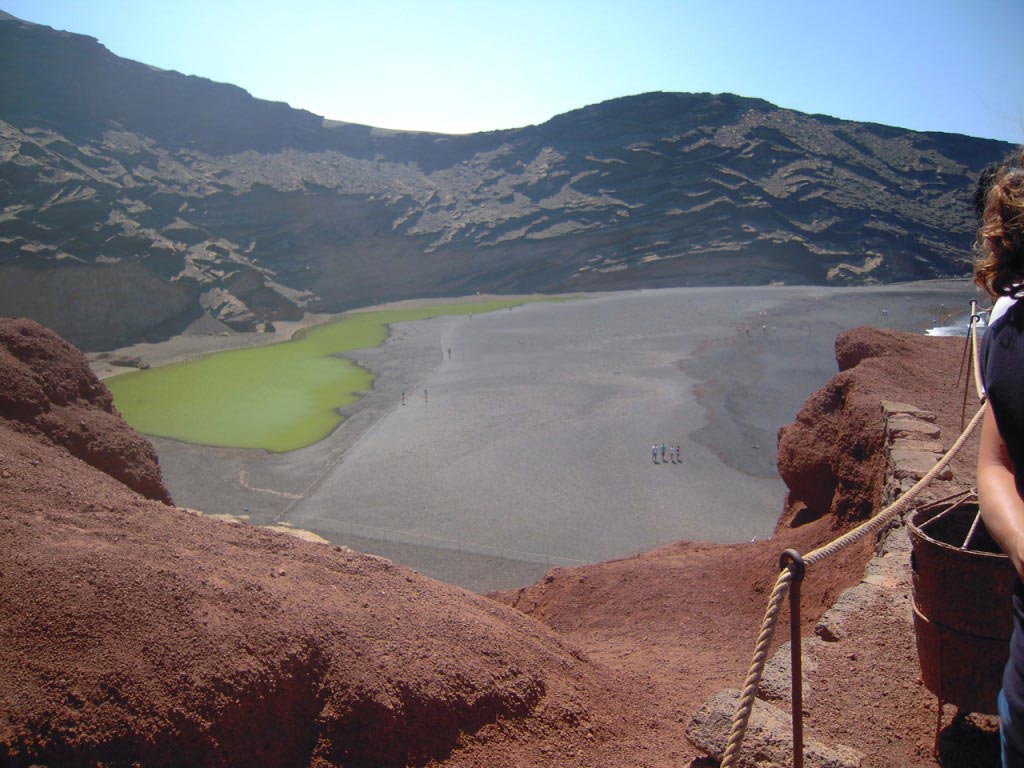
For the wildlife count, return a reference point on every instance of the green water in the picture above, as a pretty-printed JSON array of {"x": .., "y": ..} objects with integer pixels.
[{"x": 278, "y": 397}]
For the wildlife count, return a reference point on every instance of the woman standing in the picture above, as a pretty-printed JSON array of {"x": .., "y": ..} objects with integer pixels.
[{"x": 999, "y": 269}]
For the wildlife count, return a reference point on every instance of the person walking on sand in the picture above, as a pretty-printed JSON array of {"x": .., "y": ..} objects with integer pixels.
[
  {"x": 663, "y": 451},
  {"x": 403, "y": 398},
  {"x": 654, "y": 454},
  {"x": 424, "y": 395},
  {"x": 449, "y": 353}
]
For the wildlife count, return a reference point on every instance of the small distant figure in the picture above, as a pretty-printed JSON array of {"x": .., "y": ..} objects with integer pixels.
[
  {"x": 654, "y": 454},
  {"x": 424, "y": 395},
  {"x": 449, "y": 353},
  {"x": 675, "y": 455},
  {"x": 403, "y": 398},
  {"x": 663, "y": 449},
  {"x": 885, "y": 311}
]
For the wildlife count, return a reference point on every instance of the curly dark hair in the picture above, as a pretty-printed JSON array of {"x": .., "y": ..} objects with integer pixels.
[{"x": 999, "y": 245}]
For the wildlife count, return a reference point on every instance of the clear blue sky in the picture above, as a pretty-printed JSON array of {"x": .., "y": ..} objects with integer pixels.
[{"x": 458, "y": 67}]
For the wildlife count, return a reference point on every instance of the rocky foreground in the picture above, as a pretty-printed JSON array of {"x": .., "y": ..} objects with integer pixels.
[{"x": 136, "y": 632}]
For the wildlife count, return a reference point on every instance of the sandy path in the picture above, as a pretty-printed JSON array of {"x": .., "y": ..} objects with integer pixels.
[{"x": 534, "y": 447}]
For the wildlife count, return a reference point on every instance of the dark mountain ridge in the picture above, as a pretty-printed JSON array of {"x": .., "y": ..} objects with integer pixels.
[{"x": 133, "y": 200}]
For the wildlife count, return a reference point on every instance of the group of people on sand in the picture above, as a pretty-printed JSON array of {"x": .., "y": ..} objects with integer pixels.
[{"x": 672, "y": 451}]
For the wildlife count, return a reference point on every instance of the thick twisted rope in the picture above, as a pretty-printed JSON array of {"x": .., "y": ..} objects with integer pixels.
[
  {"x": 745, "y": 706},
  {"x": 749, "y": 693}
]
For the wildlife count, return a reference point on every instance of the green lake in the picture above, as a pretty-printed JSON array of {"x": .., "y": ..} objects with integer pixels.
[{"x": 278, "y": 397}]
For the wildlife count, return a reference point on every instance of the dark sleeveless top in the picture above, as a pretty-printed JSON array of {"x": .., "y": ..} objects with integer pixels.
[{"x": 1002, "y": 370}]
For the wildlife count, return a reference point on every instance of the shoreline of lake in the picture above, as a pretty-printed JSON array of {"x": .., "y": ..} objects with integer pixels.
[{"x": 730, "y": 392}]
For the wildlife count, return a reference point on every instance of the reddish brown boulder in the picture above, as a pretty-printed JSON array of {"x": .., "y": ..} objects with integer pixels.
[{"x": 49, "y": 390}]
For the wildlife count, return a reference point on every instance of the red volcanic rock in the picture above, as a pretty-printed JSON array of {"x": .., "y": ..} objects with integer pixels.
[
  {"x": 137, "y": 634},
  {"x": 133, "y": 633},
  {"x": 49, "y": 390},
  {"x": 684, "y": 617},
  {"x": 831, "y": 457}
]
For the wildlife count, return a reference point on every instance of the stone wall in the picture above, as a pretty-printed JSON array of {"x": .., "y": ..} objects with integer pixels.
[{"x": 912, "y": 446}]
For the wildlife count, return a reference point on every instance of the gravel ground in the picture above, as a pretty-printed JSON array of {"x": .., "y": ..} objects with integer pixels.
[{"x": 533, "y": 447}]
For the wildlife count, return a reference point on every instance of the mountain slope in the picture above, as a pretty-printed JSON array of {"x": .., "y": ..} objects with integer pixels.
[{"x": 120, "y": 181}]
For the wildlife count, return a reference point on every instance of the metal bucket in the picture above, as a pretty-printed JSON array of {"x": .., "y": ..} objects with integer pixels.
[{"x": 962, "y": 610}]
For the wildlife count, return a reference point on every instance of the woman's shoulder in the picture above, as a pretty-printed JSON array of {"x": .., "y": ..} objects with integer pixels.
[
  {"x": 1001, "y": 309},
  {"x": 998, "y": 345}
]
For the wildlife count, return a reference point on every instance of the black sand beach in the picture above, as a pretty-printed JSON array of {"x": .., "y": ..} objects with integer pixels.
[{"x": 533, "y": 448}]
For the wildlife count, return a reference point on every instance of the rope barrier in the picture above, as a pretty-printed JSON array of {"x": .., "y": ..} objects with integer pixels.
[
  {"x": 764, "y": 640},
  {"x": 741, "y": 718}
]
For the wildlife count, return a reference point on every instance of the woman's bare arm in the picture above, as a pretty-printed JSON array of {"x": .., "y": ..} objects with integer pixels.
[{"x": 1002, "y": 508}]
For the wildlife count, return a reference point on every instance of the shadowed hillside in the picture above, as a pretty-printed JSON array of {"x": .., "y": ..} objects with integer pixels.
[{"x": 133, "y": 200}]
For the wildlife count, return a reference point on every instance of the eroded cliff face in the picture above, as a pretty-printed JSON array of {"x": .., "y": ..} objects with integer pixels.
[
  {"x": 831, "y": 457},
  {"x": 254, "y": 211}
]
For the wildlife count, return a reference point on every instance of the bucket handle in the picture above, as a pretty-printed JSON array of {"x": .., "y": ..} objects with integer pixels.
[
  {"x": 974, "y": 527},
  {"x": 956, "y": 500}
]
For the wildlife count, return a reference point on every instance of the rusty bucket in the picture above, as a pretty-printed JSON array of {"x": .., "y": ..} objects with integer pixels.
[{"x": 962, "y": 609}]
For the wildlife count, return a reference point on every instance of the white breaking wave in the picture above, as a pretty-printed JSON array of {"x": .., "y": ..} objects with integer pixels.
[{"x": 959, "y": 328}]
